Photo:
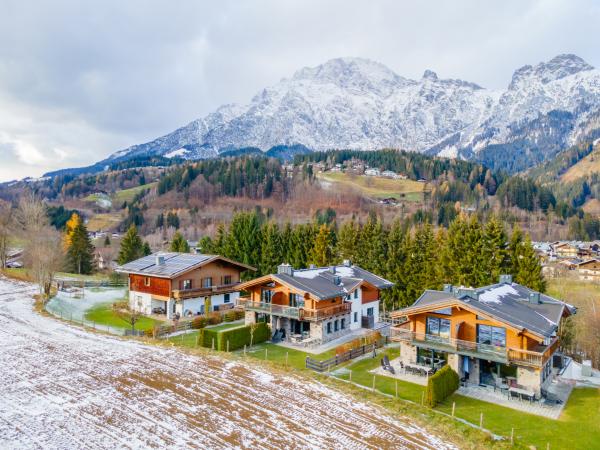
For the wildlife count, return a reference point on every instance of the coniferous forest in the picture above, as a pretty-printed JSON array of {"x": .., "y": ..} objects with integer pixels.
[{"x": 415, "y": 257}]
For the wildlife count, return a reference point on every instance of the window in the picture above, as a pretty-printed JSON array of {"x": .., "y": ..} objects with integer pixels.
[
  {"x": 496, "y": 336},
  {"x": 370, "y": 311},
  {"x": 227, "y": 279},
  {"x": 207, "y": 282},
  {"x": 355, "y": 317},
  {"x": 297, "y": 301},
  {"x": 438, "y": 327},
  {"x": 146, "y": 281},
  {"x": 226, "y": 298},
  {"x": 328, "y": 327},
  {"x": 186, "y": 284},
  {"x": 265, "y": 295},
  {"x": 335, "y": 325},
  {"x": 343, "y": 324},
  {"x": 355, "y": 293}
]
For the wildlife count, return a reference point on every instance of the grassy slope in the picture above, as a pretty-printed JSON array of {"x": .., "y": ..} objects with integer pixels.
[
  {"x": 104, "y": 315},
  {"x": 128, "y": 194},
  {"x": 378, "y": 187},
  {"x": 583, "y": 168},
  {"x": 104, "y": 221}
]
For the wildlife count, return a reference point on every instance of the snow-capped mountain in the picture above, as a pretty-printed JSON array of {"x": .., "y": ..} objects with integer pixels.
[{"x": 354, "y": 103}]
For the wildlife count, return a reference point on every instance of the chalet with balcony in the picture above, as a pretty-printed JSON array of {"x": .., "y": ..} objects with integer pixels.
[
  {"x": 183, "y": 284},
  {"x": 317, "y": 304},
  {"x": 588, "y": 270},
  {"x": 500, "y": 335}
]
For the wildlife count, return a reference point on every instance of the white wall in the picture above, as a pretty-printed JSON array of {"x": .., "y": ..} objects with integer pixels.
[
  {"x": 361, "y": 309},
  {"x": 196, "y": 305}
]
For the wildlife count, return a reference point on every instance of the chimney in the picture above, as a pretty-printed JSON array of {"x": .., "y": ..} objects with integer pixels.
[
  {"x": 285, "y": 269},
  {"x": 332, "y": 269},
  {"x": 534, "y": 298},
  {"x": 160, "y": 259},
  {"x": 448, "y": 288},
  {"x": 505, "y": 279},
  {"x": 347, "y": 263}
]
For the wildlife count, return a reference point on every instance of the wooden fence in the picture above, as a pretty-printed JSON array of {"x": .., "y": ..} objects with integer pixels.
[{"x": 327, "y": 364}]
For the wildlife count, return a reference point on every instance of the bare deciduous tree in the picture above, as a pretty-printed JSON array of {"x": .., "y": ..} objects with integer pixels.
[
  {"x": 5, "y": 232},
  {"x": 43, "y": 252}
]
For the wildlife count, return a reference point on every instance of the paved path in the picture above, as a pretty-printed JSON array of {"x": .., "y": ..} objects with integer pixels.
[{"x": 62, "y": 387}]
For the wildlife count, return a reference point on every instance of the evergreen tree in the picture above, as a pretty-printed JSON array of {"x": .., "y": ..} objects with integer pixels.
[
  {"x": 420, "y": 266},
  {"x": 179, "y": 243},
  {"x": 160, "y": 220},
  {"x": 146, "y": 250},
  {"x": 496, "y": 258},
  {"x": 107, "y": 241},
  {"x": 530, "y": 269},
  {"x": 514, "y": 248},
  {"x": 323, "y": 249},
  {"x": 348, "y": 241},
  {"x": 132, "y": 247},
  {"x": 286, "y": 242},
  {"x": 271, "y": 254},
  {"x": 80, "y": 253}
]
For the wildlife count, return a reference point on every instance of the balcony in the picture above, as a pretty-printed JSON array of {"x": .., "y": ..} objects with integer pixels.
[
  {"x": 473, "y": 349},
  {"x": 291, "y": 312},
  {"x": 183, "y": 294}
]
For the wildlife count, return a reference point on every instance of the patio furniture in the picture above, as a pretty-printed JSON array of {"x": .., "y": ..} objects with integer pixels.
[
  {"x": 500, "y": 384},
  {"x": 521, "y": 393}
]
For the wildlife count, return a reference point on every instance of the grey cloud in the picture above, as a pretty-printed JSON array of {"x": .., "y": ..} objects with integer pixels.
[{"x": 83, "y": 79}]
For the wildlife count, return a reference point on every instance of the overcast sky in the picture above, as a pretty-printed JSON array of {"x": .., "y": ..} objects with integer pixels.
[{"x": 80, "y": 80}]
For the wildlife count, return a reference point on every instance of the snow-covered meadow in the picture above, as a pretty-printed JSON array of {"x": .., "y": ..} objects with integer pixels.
[{"x": 63, "y": 387}]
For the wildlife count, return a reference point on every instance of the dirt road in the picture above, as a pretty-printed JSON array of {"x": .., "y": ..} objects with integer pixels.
[{"x": 62, "y": 387}]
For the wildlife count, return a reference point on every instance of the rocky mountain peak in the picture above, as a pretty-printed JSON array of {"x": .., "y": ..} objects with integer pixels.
[
  {"x": 430, "y": 75},
  {"x": 560, "y": 66}
]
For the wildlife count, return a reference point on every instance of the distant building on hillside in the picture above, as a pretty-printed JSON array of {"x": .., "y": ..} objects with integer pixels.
[{"x": 372, "y": 172}]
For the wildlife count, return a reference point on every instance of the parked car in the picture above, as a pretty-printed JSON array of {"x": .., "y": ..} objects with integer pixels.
[{"x": 158, "y": 310}]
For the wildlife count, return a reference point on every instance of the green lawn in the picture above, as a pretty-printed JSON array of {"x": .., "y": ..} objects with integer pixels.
[
  {"x": 277, "y": 353},
  {"x": 104, "y": 315},
  {"x": 226, "y": 326},
  {"x": 582, "y": 412}
]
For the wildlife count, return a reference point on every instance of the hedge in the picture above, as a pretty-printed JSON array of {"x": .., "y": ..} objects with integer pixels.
[
  {"x": 441, "y": 385},
  {"x": 237, "y": 337}
]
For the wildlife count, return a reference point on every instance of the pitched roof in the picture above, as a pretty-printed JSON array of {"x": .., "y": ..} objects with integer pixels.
[
  {"x": 173, "y": 264},
  {"x": 507, "y": 302},
  {"x": 320, "y": 282}
]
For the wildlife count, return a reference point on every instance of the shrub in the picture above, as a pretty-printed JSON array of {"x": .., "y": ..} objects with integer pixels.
[
  {"x": 229, "y": 316},
  {"x": 215, "y": 318},
  {"x": 206, "y": 336},
  {"x": 441, "y": 385},
  {"x": 355, "y": 343},
  {"x": 199, "y": 322},
  {"x": 239, "y": 314}
]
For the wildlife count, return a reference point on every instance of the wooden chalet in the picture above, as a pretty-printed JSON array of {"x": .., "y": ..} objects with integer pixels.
[
  {"x": 499, "y": 335},
  {"x": 182, "y": 283},
  {"x": 314, "y": 305}
]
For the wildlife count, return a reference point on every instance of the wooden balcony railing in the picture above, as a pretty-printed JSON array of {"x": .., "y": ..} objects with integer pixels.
[
  {"x": 503, "y": 354},
  {"x": 294, "y": 312},
  {"x": 182, "y": 294}
]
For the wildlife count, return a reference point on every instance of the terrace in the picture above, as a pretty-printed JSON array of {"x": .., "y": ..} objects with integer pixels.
[
  {"x": 474, "y": 349},
  {"x": 184, "y": 294},
  {"x": 291, "y": 312}
]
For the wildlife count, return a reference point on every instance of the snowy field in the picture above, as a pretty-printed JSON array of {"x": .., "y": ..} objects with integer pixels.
[{"x": 62, "y": 388}]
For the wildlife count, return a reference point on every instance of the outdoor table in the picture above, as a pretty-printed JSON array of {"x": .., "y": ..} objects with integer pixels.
[{"x": 530, "y": 395}]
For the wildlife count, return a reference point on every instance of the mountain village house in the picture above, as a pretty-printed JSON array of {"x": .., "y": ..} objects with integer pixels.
[
  {"x": 184, "y": 284},
  {"x": 588, "y": 270},
  {"x": 315, "y": 305},
  {"x": 504, "y": 335}
]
